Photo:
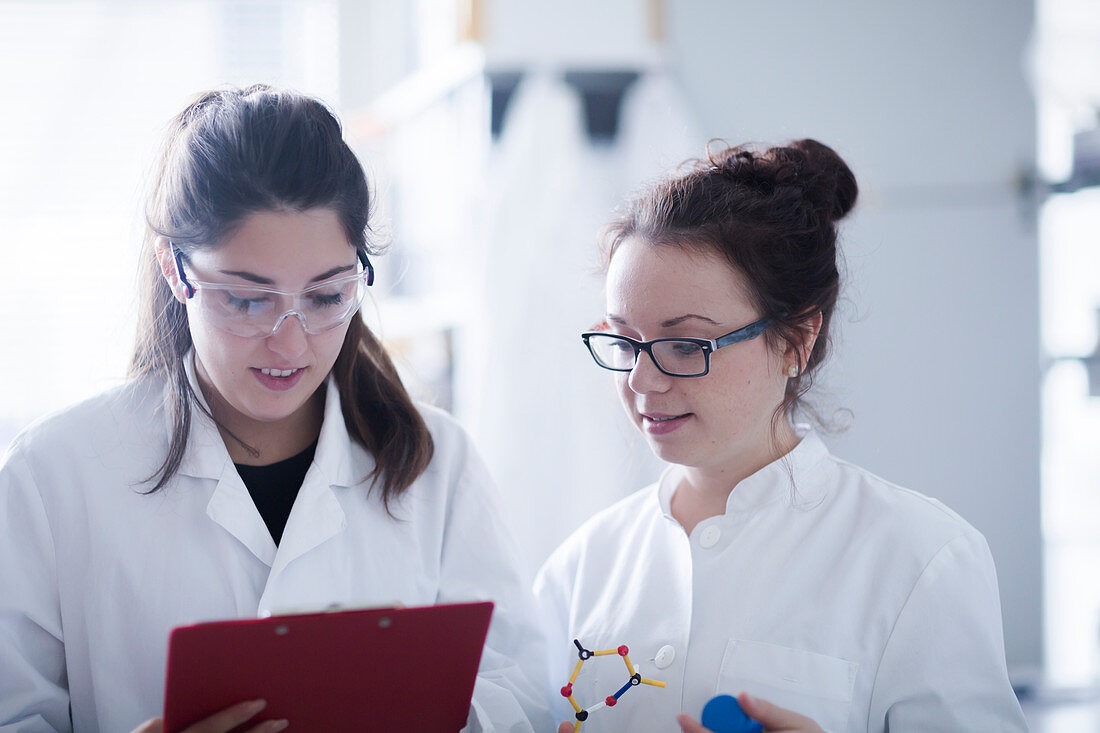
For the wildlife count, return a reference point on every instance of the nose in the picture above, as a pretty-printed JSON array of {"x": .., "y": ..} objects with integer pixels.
[
  {"x": 645, "y": 377},
  {"x": 290, "y": 339}
]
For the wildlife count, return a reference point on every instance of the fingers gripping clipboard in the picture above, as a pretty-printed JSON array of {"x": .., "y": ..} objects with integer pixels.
[{"x": 389, "y": 669}]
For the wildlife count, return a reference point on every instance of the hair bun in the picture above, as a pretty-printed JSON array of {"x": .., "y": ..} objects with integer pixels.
[
  {"x": 828, "y": 182},
  {"x": 813, "y": 170}
]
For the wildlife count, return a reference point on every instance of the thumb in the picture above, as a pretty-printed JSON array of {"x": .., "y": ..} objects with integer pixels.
[
  {"x": 773, "y": 717},
  {"x": 690, "y": 725},
  {"x": 565, "y": 727}
]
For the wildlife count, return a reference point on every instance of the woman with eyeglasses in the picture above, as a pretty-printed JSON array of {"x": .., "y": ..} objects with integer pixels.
[
  {"x": 264, "y": 454},
  {"x": 758, "y": 564}
]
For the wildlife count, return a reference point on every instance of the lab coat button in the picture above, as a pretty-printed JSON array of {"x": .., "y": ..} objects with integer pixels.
[
  {"x": 664, "y": 657},
  {"x": 709, "y": 537}
]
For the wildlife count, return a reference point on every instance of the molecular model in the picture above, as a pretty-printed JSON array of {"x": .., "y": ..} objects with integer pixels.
[{"x": 609, "y": 701}]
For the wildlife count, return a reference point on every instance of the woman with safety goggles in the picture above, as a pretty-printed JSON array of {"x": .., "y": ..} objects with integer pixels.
[
  {"x": 758, "y": 564},
  {"x": 263, "y": 455}
]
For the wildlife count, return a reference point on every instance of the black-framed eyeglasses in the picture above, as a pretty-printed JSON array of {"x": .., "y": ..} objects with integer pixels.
[{"x": 676, "y": 357}]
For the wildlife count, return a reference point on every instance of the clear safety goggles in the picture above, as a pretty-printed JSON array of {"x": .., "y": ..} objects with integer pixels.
[{"x": 256, "y": 311}]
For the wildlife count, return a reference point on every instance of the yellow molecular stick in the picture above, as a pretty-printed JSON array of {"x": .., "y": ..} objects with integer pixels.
[
  {"x": 576, "y": 671},
  {"x": 635, "y": 679}
]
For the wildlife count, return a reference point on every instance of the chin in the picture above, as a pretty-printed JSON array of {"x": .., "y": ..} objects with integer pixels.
[
  {"x": 269, "y": 413},
  {"x": 668, "y": 450},
  {"x": 272, "y": 408}
]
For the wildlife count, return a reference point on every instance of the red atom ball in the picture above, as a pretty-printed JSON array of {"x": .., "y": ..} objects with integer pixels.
[
  {"x": 623, "y": 651},
  {"x": 611, "y": 701},
  {"x": 567, "y": 691}
]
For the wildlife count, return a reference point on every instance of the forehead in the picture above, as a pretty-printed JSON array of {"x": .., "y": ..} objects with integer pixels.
[
  {"x": 655, "y": 282},
  {"x": 271, "y": 243}
]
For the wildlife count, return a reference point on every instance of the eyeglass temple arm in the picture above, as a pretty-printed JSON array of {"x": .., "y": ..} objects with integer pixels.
[
  {"x": 747, "y": 333},
  {"x": 366, "y": 266},
  {"x": 179, "y": 270}
]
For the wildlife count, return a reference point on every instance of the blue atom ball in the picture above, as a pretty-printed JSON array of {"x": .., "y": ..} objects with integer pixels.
[{"x": 723, "y": 714}]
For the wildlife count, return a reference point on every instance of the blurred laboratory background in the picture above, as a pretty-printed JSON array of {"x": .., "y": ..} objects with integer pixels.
[{"x": 501, "y": 134}]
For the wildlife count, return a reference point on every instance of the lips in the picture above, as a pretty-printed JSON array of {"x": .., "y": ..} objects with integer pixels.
[
  {"x": 660, "y": 423},
  {"x": 661, "y": 416},
  {"x": 276, "y": 372},
  {"x": 278, "y": 380}
]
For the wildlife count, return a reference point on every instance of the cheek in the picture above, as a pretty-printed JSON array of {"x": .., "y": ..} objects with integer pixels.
[
  {"x": 747, "y": 387},
  {"x": 205, "y": 343},
  {"x": 220, "y": 351},
  {"x": 326, "y": 346},
  {"x": 625, "y": 393}
]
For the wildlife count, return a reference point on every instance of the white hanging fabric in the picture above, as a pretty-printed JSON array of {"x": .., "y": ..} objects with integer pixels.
[
  {"x": 545, "y": 416},
  {"x": 657, "y": 132}
]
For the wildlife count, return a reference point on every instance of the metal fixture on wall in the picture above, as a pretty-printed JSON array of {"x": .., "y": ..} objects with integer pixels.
[
  {"x": 601, "y": 93},
  {"x": 1086, "y": 163},
  {"x": 1085, "y": 174}
]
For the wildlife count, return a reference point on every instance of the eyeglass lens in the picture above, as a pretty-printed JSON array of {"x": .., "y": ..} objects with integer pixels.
[
  {"x": 673, "y": 356},
  {"x": 249, "y": 312}
]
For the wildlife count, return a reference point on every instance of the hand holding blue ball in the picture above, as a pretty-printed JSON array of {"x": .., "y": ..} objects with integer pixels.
[{"x": 723, "y": 714}]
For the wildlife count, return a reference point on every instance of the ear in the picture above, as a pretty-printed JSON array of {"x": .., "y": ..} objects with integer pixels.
[
  {"x": 167, "y": 261},
  {"x": 805, "y": 337}
]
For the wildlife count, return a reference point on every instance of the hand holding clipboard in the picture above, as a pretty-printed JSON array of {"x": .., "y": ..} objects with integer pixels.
[{"x": 224, "y": 721}]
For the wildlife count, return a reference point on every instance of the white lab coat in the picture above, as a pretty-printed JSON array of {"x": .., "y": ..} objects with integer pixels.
[
  {"x": 94, "y": 574},
  {"x": 865, "y": 606}
]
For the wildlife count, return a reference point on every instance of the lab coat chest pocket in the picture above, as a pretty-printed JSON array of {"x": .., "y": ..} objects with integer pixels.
[{"x": 815, "y": 685}]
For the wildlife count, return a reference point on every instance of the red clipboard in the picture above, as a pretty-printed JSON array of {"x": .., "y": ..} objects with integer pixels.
[{"x": 379, "y": 669}]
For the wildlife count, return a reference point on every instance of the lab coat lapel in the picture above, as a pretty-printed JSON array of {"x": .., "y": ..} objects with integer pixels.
[
  {"x": 317, "y": 515},
  {"x": 232, "y": 507},
  {"x": 206, "y": 457}
]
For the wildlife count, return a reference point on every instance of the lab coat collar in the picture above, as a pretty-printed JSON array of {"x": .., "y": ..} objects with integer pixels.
[
  {"x": 316, "y": 515},
  {"x": 206, "y": 456},
  {"x": 771, "y": 484}
]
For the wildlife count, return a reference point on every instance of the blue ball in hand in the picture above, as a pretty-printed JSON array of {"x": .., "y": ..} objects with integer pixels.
[{"x": 723, "y": 714}]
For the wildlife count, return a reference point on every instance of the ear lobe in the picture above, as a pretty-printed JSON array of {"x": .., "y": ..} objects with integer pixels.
[{"x": 167, "y": 261}]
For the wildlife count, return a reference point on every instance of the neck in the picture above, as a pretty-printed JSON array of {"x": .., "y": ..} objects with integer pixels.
[
  {"x": 705, "y": 490},
  {"x": 259, "y": 443}
]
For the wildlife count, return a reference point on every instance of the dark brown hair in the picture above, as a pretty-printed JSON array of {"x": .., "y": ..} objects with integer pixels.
[
  {"x": 232, "y": 153},
  {"x": 772, "y": 215}
]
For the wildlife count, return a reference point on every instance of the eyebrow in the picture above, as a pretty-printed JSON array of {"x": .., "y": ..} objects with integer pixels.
[
  {"x": 260, "y": 280},
  {"x": 670, "y": 322}
]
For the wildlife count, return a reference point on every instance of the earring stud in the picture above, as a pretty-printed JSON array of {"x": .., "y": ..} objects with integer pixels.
[{"x": 792, "y": 371}]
